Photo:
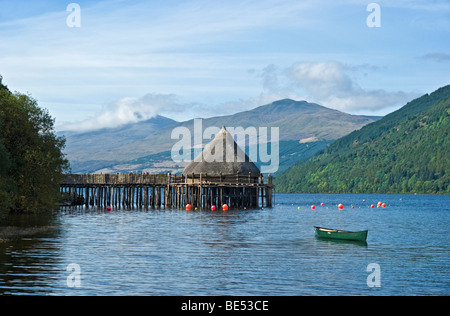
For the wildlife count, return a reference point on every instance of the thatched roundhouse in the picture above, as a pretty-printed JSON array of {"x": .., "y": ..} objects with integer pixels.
[
  {"x": 222, "y": 156},
  {"x": 223, "y": 174}
]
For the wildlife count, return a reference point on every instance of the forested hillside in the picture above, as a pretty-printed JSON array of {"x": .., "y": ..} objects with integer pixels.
[
  {"x": 408, "y": 151},
  {"x": 31, "y": 160}
]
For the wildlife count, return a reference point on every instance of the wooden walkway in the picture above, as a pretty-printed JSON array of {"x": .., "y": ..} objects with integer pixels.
[{"x": 168, "y": 191}]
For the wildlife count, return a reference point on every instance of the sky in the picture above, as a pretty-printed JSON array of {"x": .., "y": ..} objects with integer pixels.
[{"x": 105, "y": 63}]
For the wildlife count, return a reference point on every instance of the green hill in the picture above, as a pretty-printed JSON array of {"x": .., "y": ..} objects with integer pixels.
[{"x": 408, "y": 151}]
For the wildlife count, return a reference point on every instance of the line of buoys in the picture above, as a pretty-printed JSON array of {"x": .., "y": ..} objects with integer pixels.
[
  {"x": 213, "y": 208},
  {"x": 341, "y": 206}
]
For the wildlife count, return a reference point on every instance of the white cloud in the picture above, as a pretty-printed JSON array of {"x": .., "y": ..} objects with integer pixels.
[
  {"x": 329, "y": 84},
  {"x": 323, "y": 79},
  {"x": 126, "y": 110}
]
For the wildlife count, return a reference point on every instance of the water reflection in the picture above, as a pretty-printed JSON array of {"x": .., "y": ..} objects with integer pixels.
[
  {"x": 342, "y": 241},
  {"x": 27, "y": 258}
]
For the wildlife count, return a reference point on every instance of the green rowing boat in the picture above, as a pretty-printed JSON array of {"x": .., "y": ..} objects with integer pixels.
[{"x": 340, "y": 234}]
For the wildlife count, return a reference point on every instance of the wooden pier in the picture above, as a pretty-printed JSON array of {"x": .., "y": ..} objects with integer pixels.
[
  {"x": 221, "y": 174},
  {"x": 143, "y": 190}
]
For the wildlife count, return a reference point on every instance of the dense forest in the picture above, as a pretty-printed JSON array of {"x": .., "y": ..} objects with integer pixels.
[
  {"x": 408, "y": 151},
  {"x": 31, "y": 158}
]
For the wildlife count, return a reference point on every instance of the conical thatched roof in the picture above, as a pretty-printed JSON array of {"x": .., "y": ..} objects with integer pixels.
[{"x": 222, "y": 155}]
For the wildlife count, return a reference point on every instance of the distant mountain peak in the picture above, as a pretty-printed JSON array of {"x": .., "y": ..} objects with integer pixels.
[
  {"x": 290, "y": 101},
  {"x": 285, "y": 100}
]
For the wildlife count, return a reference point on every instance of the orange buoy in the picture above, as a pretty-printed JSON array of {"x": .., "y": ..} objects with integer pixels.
[
  {"x": 383, "y": 205},
  {"x": 225, "y": 207},
  {"x": 188, "y": 207},
  {"x": 313, "y": 207},
  {"x": 213, "y": 208},
  {"x": 340, "y": 206}
]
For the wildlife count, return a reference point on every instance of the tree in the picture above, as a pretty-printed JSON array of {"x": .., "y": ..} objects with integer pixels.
[
  {"x": 33, "y": 160},
  {"x": 5, "y": 180}
]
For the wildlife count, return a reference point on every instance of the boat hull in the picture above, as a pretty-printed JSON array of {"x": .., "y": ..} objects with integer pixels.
[{"x": 340, "y": 234}]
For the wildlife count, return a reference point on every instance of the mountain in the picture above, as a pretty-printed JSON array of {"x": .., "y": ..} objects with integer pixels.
[
  {"x": 407, "y": 151},
  {"x": 89, "y": 150},
  {"x": 113, "y": 138},
  {"x": 304, "y": 129}
]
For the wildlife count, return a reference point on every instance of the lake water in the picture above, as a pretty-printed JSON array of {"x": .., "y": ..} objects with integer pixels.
[{"x": 269, "y": 251}]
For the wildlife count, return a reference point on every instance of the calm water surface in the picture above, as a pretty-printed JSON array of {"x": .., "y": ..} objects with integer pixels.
[{"x": 248, "y": 252}]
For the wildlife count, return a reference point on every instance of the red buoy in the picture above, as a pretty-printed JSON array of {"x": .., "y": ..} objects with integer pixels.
[
  {"x": 372, "y": 206},
  {"x": 322, "y": 204},
  {"x": 340, "y": 206},
  {"x": 313, "y": 207},
  {"x": 188, "y": 207},
  {"x": 213, "y": 208},
  {"x": 225, "y": 207},
  {"x": 383, "y": 205}
]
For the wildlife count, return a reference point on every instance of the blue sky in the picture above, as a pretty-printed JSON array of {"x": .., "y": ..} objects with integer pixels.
[{"x": 131, "y": 60}]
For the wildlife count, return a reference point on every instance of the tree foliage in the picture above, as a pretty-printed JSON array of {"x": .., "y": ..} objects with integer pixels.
[
  {"x": 32, "y": 162},
  {"x": 405, "y": 152}
]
